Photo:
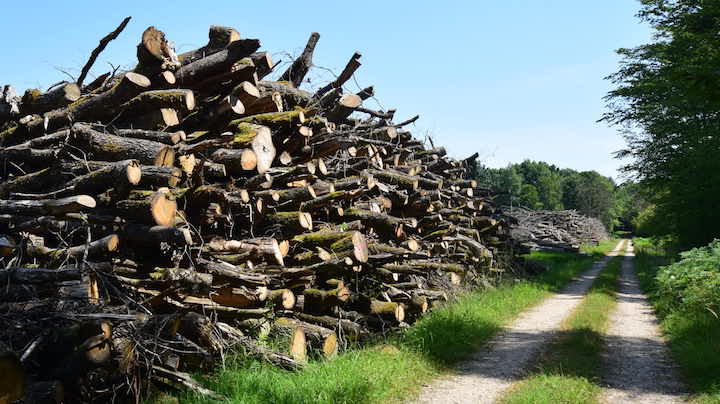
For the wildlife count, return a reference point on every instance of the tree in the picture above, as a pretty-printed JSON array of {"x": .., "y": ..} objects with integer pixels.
[{"x": 667, "y": 102}]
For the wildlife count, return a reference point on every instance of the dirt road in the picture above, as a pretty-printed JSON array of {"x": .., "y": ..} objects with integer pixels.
[{"x": 489, "y": 372}]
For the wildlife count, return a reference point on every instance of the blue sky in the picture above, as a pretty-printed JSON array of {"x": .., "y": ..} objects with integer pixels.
[{"x": 509, "y": 79}]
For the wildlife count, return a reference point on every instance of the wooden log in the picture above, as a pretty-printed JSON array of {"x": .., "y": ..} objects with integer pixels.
[
  {"x": 119, "y": 175},
  {"x": 345, "y": 106},
  {"x": 169, "y": 138},
  {"x": 231, "y": 272},
  {"x": 292, "y": 97},
  {"x": 299, "y": 68},
  {"x": 154, "y": 236},
  {"x": 101, "y": 107},
  {"x": 240, "y": 297},
  {"x": 219, "y": 37},
  {"x": 47, "y": 207},
  {"x": 257, "y": 138},
  {"x": 282, "y": 298},
  {"x": 337, "y": 242},
  {"x": 94, "y": 249},
  {"x": 38, "y": 275},
  {"x": 36, "y": 102},
  {"x": 263, "y": 64},
  {"x": 109, "y": 147},
  {"x": 258, "y": 247},
  {"x": 352, "y": 65},
  {"x": 318, "y": 337},
  {"x": 351, "y": 330},
  {"x": 293, "y": 222},
  {"x": 159, "y": 176},
  {"x": 321, "y": 302},
  {"x": 192, "y": 74},
  {"x": 177, "y": 99},
  {"x": 157, "y": 209},
  {"x": 154, "y": 53}
]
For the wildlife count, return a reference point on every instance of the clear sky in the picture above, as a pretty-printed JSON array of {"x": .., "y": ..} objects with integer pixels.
[{"x": 511, "y": 80}]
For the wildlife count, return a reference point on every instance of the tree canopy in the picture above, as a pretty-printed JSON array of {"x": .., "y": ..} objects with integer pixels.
[{"x": 667, "y": 102}]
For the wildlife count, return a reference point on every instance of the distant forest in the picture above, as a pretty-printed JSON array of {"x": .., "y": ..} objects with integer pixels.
[{"x": 539, "y": 185}]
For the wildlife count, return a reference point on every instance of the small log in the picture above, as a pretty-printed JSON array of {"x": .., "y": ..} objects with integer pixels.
[
  {"x": 192, "y": 74},
  {"x": 159, "y": 176},
  {"x": 109, "y": 147},
  {"x": 38, "y": 275},
  {"x": 169, "y": 138},
  {"x": 159, "y": 208},
  {"x": 321, "y": 302},
  {"x": 219, "y": 37},
  {"x": 101, "y": 107},
  {"x": 299, "y": 68},
  {"x": 47, "y": 207},
  {"x": 94, "y": 249},
  {"x": 36, "y": 102}
]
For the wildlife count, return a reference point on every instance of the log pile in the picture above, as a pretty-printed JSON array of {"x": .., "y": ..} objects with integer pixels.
[
  {"x": 564, "y": 230},
  {"x": 152, "y": 219}
]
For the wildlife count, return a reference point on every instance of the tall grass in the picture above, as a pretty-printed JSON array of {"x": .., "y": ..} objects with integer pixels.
[
  {"x": 693, "y": 336},
  {"x": 397, "y": 368}
]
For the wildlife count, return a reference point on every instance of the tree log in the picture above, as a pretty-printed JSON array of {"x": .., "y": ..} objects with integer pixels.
[{"x": 299, "y": 68}]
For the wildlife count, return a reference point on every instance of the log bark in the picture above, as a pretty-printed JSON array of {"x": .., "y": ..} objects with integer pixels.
[
  {"x": 104, "y": 146},
  {"x": 101, "y": 107},
  {"x": 47, "y": 207},
  {"x": 36, "y": 102},
  {"x": 299, "y": 68},
  {"x": 192, "y": 74}
]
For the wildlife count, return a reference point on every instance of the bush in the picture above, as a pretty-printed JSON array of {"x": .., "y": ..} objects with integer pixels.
[{"x": 692, "y": 285}]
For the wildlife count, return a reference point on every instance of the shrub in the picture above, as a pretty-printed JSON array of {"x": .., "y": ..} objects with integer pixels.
[{"x": 692, "y": 284}]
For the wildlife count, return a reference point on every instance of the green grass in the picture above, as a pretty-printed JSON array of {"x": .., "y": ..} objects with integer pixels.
[
  {"x": 694, "y": 338},
  {"x": 567, "y": 371},
  {"x": 391, "y": 372}
]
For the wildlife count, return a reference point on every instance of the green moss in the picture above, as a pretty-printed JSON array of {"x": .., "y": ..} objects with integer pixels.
[
  {"x": 271, "y": 119},
  {"x": 31, "y": 95},
  {"x": 244, "y": 134}
]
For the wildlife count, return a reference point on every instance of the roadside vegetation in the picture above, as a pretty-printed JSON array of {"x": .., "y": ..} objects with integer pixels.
[
  {"x": 567, "y": 372},
  {"x": 686, "y": 297},
  {"x": 394, "y": 368}
]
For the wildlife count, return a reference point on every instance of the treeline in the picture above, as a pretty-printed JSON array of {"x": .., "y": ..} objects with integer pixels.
[
  {"x": 667, "y": 102},
  {"x": 539, "y": 185}
]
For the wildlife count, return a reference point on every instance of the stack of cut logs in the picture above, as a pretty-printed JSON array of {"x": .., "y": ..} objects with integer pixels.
[
  {"x": 563, "y": 230},
  {"x": 154, "y": 218}
]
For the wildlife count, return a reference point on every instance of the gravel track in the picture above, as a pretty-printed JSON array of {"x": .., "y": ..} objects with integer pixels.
[
  {"x": 490, "y": 371},
  {"x": 636, "y": 366}
]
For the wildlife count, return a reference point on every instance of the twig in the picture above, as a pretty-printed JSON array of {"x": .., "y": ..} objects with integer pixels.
[
  {"x": 409, "y": 121},
  {"x": 96, "y": 52}
]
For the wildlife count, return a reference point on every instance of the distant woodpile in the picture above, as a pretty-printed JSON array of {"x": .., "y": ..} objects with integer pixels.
[
  {"x": 152, "y": 219},
  {"x": 564, "y": 230}
]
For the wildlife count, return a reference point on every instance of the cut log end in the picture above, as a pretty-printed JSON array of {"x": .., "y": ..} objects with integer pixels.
[
  {"x": 298, "y": 345},
  {"x": 137, "y": 79},
  {"x": 133, "y": 172},
  {"x": 166, "y": 157},
  {"x": 360, "y": 248},
  {"x": 330, "y": 346},
  {"x": 163, "y": 208}
]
